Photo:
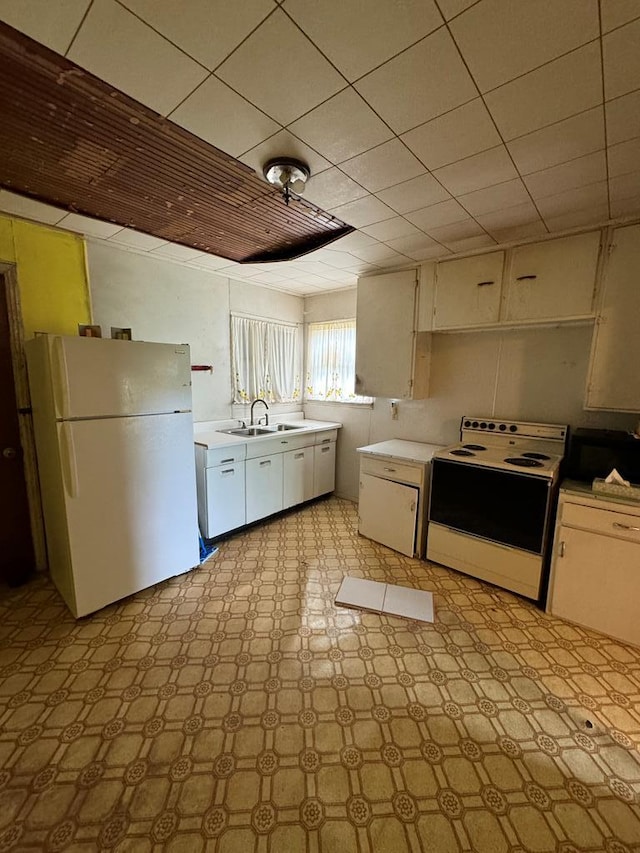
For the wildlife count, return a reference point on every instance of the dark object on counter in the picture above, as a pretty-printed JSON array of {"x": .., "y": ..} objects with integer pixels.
[{"x": 596, "y": 452}]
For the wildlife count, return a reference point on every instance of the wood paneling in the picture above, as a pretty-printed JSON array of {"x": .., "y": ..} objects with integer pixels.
[{"x": 70, "y": 139}]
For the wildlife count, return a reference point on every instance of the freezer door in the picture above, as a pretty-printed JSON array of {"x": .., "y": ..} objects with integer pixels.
[
  {"x": 96, "y": 377},
  {"x": 130, "y": 494}
]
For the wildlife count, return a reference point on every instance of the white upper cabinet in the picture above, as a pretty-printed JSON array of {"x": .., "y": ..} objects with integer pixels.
[
  {"x": 392, "y": 358},
  {"x": 552, "y": 280},
  {"x": 468, "y": 292},
  {"x": 614, "y": 381}
]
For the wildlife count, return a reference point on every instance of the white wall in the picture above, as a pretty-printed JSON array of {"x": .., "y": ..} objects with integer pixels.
[
  {"x": 525, "y": 374},
  {"x": 164, "y": 301}
]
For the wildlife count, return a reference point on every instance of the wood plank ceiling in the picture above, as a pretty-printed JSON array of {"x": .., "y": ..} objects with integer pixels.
[{"x": 70, "y": 139}]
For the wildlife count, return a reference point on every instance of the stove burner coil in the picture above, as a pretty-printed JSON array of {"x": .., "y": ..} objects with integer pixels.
[
  {"x": 461, "y": 452},
  {"x": 533, "y": 455},
  {"x": 523, "y": 462},
  {"x": 474, "y": 447}
]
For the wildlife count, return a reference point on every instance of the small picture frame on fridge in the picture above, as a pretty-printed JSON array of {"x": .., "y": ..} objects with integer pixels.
[
  {"x": 119, "y": 334},
  {"x": 86, "y": 331}
]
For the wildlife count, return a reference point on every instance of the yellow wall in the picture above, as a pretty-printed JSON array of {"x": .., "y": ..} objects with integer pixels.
[{"x": 52, "y": 278}]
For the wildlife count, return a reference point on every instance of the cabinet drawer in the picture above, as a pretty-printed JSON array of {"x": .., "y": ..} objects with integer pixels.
[
  {"x": 401, "y": 472},
  {"x": 619, "y": 524},
  {"x": 267, "y": 446},
  {"x": 225, "y": 455},
  {"x": 325, "y": 436}
]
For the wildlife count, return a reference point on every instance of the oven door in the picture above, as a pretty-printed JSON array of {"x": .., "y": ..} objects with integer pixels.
[{"x": 501, "y": 506}]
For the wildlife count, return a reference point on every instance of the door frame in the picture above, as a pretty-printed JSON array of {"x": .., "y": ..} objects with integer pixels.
[{"x": 25, "y": 419}]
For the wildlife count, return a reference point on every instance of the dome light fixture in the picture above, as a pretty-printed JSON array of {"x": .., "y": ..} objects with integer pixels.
[{"x": 287, "y": 174}]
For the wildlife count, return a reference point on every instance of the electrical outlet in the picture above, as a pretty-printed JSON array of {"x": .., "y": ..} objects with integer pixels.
[{"x": 394, "y": 410}]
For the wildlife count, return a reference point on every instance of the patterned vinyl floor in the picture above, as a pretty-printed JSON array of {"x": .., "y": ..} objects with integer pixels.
[{"x": 235, "y": 709}]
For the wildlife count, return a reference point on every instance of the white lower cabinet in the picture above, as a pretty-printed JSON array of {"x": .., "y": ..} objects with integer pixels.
[
  {"x": 297, "y": 476},
  {"x": 225, "y": 499},
  {"x": 324, "y": 468},
  {"x": 263, "y": 483},
  {"x": 388, "y": 512},
  {"x": 595, "y": 575}
]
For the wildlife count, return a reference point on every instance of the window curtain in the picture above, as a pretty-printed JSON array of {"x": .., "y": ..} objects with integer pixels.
[
  {"x": 266, "y": 360},
  {"x": 331, "y": 362}
]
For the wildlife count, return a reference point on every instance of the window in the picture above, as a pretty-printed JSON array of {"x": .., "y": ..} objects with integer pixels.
[
  {"x": 331, "y": 362},
  {"x": 265, "y": 360}
]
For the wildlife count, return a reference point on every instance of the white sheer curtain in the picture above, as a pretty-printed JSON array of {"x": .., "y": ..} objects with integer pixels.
[
  {"x": 265, "y": 360},
  {"x": 331, "y": 362}
]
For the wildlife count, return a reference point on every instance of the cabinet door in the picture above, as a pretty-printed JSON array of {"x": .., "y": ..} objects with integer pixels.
[
  {"x": 263, "y": 479},
  {"x": 553, "y": 280},
  {"x": 468, "y": 291},
  {"x": 324, "y": 468},
  {"x": 385, "y": 318},
  {"x": 297, "y": 476},
  {"x": 225, "y": 499},
  {"x": 596, "y": 583},
  {"x": 614, "y": 381},
  {"x": 387, "y": 513}
]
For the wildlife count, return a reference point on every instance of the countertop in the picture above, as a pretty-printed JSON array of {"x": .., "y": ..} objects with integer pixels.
[
  {"x": 395, "y": 448},
  {"x": 584, "y": 490},
  {"x": 212, "y": 438}
]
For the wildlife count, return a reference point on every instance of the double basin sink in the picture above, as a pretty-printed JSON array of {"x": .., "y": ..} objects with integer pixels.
[{"x": 259, "y": 430}]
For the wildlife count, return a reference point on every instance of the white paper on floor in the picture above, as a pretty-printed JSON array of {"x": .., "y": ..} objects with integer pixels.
[{"x": 386, "y": 598}]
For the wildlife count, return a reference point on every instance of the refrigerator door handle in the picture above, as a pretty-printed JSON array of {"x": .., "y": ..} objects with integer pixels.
[
  {"x": 60, "y": 378},
  {"x": 68, "y": 453}
]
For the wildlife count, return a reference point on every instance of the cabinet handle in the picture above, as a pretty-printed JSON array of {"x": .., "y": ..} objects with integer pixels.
[
  {"x": 284, "y": 442},
  {"x": 390, "y": 470},
  {"x": 226, "y": 461},
  {"x": 299, "y": 456},
  {"x": 561, "y": 550},
  {"x": 484, "y": 283},
  {"x": 325, "y": 449},
  {"x": 325, "y": 441},
  {"x": 626, "y": 526},
  {"x": 526, "y": 277},
  {"x": 266, "y": 462},
  {"x": 228, "y": 471}
]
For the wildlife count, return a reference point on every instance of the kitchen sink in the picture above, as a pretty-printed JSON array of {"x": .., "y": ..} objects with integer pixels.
[
  {"x": 247, "y": 431},
  {"x": 282, "y": 427}
]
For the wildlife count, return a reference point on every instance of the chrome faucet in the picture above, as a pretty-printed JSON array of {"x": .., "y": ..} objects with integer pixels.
[{"x": 266, "y": 417}]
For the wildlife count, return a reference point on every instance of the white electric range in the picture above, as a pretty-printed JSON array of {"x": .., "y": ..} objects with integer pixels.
[{"x": 493, "y": 497}]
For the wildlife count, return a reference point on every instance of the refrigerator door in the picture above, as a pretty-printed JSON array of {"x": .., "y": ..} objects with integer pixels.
[
  {"x": 99, "y": 378},
  {"x": 130, "y": 503}
]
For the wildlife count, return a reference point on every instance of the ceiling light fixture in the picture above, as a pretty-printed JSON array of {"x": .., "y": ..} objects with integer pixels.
[{"x": 287, "y": 174}]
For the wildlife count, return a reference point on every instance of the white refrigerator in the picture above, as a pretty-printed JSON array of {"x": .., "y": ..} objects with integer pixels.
[{"x": 114, "y": 441}]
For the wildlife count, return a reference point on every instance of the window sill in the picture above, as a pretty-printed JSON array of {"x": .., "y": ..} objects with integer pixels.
[{"x": 353, "y": 404}]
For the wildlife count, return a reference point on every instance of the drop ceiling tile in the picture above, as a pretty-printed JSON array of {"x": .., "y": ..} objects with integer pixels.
[
  {"x": 411, "y": 195},
  {"x": 474, "y": 173},
  {"x": 177, "y": 252},
  {"x": 623, "y": 118},
  {"x": 342, "y": 127},
  {"x": 332, "y": 188},
  {"x": 520, "y": 232},
  {"x": 355, "y": 37},
  {"x": 29, "y": 208},
  {"x": 625, "y": 206},
  {"x": 206, "y": 31},
  {"x": 213, "y": 262},
  {"x": 364, "y": 211},
  {"x": 280, "y": 71},
  {"x": 284, "y": 144},
  {"x": 52, "y": 24},
  {"x": 437, "y": 214},
  {"x": 625, "y": 186},
  {"x": 558, "y": 143},
  {"x": 507, "y": 194},
  {"x": 621, "y": 58},
  {"x": 418, "y": 247},
  {"x": 390, "y": 228},
  {"x": 200, "y": 113},
  {"x": 562, "y": 88},
  {"x": 617, "y": 12},
  {"x": 454, "y": 135},
  {"x": 469, "y": 244},
  {"x": 379, "y": 252},
  {"x": 568, "y": 176},
  {"x": 88, "y": 226},
  {"x": 115, "y": 45},
  {"x": 455, "y": 232},
  {"x": 502, "y": 40},
  {"x": 388, "y": 164},
  {"x": 137, "y": 240},
  {"x": 431, "y": 78},
  {"x": 624, "y": 157},
  {"x": 509, "y": 217},
  {"x": 352, "y": 241},
  {"x": 342, "y": 261},
  {"x": 593, "y": 215},
  {"x": 569, "y": 201},
  {"x": 395, "y": 261},
  {"x": 451, "y": 8}
]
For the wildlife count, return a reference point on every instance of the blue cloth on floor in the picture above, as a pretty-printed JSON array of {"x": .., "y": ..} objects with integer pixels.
[{"x": 206, "y": 550}]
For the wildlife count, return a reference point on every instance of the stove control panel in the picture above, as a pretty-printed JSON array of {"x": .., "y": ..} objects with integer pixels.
[{"x": 523, "y": 429}]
